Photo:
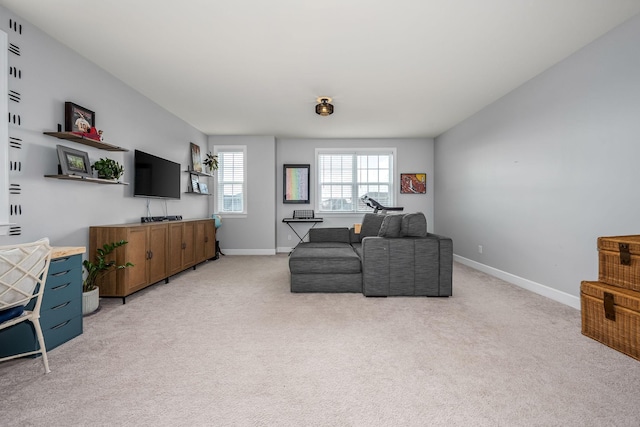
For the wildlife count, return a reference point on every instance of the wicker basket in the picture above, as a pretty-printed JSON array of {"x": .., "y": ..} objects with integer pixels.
[
  {"x": 619, "y": 261},
  {"x": 611, "y": 315}
]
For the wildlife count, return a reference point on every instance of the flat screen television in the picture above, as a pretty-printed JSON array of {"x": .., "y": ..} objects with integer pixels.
[{"x": 156, "y": 177}]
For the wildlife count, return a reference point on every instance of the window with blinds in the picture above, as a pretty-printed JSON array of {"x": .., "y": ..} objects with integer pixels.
[
  {"x": 345, "y": 177},
  {"x": 231, "y": 194}
]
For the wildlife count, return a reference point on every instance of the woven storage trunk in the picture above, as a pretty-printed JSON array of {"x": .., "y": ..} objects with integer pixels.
[
  {"x": 619, "y": 261},
  {"x": 611, "y": 315}
]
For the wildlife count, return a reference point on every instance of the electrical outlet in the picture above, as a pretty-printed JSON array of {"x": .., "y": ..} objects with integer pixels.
[{"x": 479, "y": 249}]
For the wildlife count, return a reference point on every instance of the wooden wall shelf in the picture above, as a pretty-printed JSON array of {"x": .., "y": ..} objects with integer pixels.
[{"x": 70, "y": 136}]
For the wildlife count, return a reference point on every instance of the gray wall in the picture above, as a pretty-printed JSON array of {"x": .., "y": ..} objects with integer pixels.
[
  {"x": 251, "y": 234},
  {"x": 536, "y": 177},
  {"x": 413, "y": 156},
  {"x": 63, "y": 210}
]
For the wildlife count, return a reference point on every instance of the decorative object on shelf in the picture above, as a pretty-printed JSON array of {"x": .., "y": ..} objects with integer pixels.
[
  {"x": 324, "y": 107},
  {"x": 98, "y": 268},
  {"x": 204, "y": 189},
  {"x": 413, "y": 183},
  {"x": 217, "y": 219},
  {"x": 196, "y": 160},
  {"x": 78, "y": 119},
  {"x": 211, "y": 162},
  {"x": 195, "y": 185},
  {"x": 296, "y": 184},
  {"x": 108, "y": 169},
  {"x": 73, "y": 162}
]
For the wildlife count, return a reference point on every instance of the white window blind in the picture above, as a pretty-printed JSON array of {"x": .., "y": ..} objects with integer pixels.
[
  {"x": 231, "y": 179},
  {"x": 345, "y": 177}
]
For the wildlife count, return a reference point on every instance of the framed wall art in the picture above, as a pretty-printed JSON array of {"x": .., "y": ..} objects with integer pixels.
[
  {"x": 204, "y": 188},
  {"x": 77, "y": 118},
  {"x": 196, "y": 159},
  {"x": 413, "y": 183},
  {"x": 195, "y": 185},
  {"x": 296, "y": 184},
  {"x": 73, "y": 162}
]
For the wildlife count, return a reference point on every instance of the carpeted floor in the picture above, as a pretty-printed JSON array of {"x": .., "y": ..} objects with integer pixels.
[{"x": 229, "y": 345}]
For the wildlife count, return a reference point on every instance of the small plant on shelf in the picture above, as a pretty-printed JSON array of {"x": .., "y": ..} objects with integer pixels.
[
  {"x": 108, "y": 169},
  {"x": 100, "y": 266},
  {"x": 211, "y": 162}
]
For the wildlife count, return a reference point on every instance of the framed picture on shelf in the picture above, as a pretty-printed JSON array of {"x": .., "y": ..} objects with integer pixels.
[
  {"x": 204, "y": 189},
  {"x": 77, "y": 118},
  {"x": 413, "y": 183},
  {"x": 196, "y": 159},
  {"x": 195, "y": 185},
  {"x": 73, "y": 162},
  {"x": 296, "y": 184}
]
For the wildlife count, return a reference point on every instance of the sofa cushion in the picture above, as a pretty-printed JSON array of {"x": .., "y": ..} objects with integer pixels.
[
  {"x": 390, "y": 226},
  {"x": 413, "y": 225},
  {"x": 371, "y": 225},
  {"x": 310, "y": 260},
  {"x": 329, "y": 234}
]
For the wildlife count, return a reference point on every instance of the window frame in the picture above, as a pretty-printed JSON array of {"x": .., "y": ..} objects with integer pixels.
[
  {"x": 355, "y": 152},
  {"x": 218, "y": 181}
]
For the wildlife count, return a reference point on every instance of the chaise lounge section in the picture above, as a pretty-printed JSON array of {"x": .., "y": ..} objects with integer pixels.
[{"x": 392, "y": 256}]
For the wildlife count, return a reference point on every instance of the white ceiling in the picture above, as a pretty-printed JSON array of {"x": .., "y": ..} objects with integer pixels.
[{"x": 402, "y": 68}]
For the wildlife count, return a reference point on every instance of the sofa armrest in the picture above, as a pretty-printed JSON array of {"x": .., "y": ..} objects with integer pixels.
[
  {"x": 406, "y": 266},
  {"x": 329, "y": 234}
]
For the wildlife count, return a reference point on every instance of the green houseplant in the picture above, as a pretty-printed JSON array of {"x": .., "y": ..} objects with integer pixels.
[
  {"x": 100, "y": 266},
  {"x": 108, "y": 169},
  {"x": 211, "y": 162}
]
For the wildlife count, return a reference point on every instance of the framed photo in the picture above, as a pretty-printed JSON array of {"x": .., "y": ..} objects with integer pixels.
[
  {"x": 413, "y": 183},
  {"x": 73, "y": 162},
  {"x": 296, "y": 184},
  {"x": 204, "y": 189},
  {"x": 195, "y": 185},
  {"x": 196, "y": 160},
  {"x": 77, "y": 118}
]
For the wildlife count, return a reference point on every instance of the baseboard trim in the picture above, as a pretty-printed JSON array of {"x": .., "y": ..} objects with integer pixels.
[
  {"x": 283, "y": 250},
  {"x": 546, "y": 291},
  {"x": 248, "y": 251}
]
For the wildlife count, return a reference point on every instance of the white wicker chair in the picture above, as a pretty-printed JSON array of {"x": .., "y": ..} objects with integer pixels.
[{"x": 23, "y": 273}]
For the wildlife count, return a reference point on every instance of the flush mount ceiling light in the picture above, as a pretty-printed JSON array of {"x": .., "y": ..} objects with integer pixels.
[{"x": 324, "y": 107}]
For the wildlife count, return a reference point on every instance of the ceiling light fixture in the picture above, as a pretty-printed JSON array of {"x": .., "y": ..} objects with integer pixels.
[{"x": 324, "y": 108}]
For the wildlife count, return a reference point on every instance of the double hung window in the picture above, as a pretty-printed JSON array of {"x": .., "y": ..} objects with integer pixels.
[
  {"x": 344, "y": 177},
  {"x": 231, "y": 194}
]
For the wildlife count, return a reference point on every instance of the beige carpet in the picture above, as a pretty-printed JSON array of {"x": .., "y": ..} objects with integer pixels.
[{"x": 229, "y": 345}]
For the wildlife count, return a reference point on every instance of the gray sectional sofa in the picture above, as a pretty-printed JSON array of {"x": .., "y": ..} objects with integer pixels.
[{"x": 393, "y": 255}]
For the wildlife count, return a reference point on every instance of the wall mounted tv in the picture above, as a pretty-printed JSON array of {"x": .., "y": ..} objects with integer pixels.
[{"x": 156, "y": 177}]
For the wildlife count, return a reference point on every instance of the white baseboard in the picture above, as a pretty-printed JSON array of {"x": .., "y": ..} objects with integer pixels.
[
  {"x": 248, "y": 251},
  {"x": 546, "y": 291},
  {"x": 283, "y": 250}
]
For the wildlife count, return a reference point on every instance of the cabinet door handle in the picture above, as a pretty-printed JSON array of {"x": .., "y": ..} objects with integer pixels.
[
  {"x": 62, "y": 273},
  {"x": 206, "y": 239},
  {"x": 184, "y": 246},
  {"x": 60, "y": 325},
  {"x": 64, "y": 285},
  {"x": 150, "y": 254},
  {"x": 64, "y": 304}
]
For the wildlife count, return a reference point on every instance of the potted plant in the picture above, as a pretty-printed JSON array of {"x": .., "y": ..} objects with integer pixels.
[
  {"x": 108, "y": 169},
  {"x": 95, "y": 270},
  {"x": 211, "y": 162}
]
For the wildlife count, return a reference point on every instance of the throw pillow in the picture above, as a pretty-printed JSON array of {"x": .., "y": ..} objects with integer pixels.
[
  {"x": 370, "y": 225},
  {"x": 390, "y": 226},
  {"x": 413, "y": 225}
]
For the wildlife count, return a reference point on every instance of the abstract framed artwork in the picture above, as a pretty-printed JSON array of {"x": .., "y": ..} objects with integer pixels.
[
  {"x": 296, "y": 184},
  {"x": 413, "y": 183},
  {"x": 77, "y": 118},
  {"x": 196, "y": 159},
  {"x": 73, "y": 162}
]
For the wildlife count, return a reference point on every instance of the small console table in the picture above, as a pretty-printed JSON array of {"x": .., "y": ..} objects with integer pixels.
[{"x": 312, "y": 221}]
